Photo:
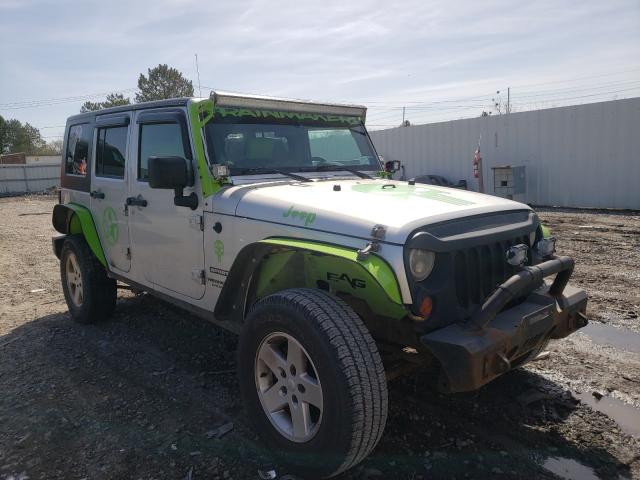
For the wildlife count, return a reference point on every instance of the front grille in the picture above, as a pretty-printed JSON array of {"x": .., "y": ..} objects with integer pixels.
[{"x": 479, "y": 270}]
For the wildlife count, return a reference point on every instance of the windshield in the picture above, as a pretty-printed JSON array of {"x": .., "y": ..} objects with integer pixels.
[{"x": 248, "y": 141}]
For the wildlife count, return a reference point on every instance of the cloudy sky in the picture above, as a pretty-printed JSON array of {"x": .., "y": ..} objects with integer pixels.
[{"x": 441, "y": 60}]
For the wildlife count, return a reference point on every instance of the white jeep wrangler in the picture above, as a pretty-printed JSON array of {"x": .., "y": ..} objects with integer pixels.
[{"x": 274, "y": 219}]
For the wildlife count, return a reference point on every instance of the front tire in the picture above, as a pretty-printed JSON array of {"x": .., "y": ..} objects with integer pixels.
[
  {"x": 312, "y": 381},
  {"x": 89, "y": 293}
]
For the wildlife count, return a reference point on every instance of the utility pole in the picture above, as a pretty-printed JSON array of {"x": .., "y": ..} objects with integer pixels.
[
  {"x": 508, "y": 99},
  {"x": 198, "y": 70},
  {"x": 403, "y": 116}
]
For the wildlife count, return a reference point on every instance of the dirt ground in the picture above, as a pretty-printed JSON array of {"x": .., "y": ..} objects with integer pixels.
[{"x": 135, "y": 397}]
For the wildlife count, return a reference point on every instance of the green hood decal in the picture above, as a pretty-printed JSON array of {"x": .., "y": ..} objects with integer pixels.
[{"x": 403, "y": 192}]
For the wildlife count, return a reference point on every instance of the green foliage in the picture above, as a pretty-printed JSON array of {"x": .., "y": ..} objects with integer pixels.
[
  {"x": 162, "y": 83},
  {"x": 112, "y": 100},
  {"x": 16, "y": 137}
]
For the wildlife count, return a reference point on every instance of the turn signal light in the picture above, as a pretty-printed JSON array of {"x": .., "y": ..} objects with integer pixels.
[{"x": 426, "y": 306}]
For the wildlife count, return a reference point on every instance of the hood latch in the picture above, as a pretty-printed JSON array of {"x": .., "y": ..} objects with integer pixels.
[{"x": 378, "y": 232}]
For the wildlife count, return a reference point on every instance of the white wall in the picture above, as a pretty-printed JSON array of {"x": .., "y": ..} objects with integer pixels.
[
  {"x": 43, "y": 159},
  {"x": 28, "y": 178},
  {"x": 579, "y": 156}
]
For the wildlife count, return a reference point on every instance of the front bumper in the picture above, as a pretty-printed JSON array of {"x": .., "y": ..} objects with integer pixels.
[{"x": 496, "y": 339}]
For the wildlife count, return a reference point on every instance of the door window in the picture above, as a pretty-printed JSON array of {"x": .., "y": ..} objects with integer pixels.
[
  {"x": 159, "y": 139},
  {"x": 111, "y": 152}
]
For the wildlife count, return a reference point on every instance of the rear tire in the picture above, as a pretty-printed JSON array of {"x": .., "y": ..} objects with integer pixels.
[
  {"x": 321, "y": 345},
  {"x": 89, "y": 293}
]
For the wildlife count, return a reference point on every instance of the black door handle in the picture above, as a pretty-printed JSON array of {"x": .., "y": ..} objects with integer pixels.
[
  {"x": 96, "y": 194},
  {"x": 137, "y": 201}
]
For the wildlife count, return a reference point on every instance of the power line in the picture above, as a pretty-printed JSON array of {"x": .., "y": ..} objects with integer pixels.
[
  {"x": 609, "y": 74},
  {"x": 563, "y": 91},
  {"x": 58, "y": 100}
]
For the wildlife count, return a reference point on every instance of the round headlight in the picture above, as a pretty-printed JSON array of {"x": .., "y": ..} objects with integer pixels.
[{"x": 421, "y": 263}]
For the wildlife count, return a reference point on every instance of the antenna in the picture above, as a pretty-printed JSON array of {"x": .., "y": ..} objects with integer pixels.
[{"x": 198, "y": 70}]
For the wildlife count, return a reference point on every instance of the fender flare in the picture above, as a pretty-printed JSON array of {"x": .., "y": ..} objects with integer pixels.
[
  {"x": 232, "y": 300},
  {"x": 72, "y": 218}
]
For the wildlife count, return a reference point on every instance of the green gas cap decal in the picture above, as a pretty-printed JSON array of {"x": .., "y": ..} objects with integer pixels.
[
  {"x": 307, "y": 217},
  {"x": 110, "y": 227},
  {"x": 405, "y": 192}
]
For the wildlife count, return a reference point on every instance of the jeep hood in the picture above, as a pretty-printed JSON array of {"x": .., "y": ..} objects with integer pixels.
[{"x": 354, "y": 207}]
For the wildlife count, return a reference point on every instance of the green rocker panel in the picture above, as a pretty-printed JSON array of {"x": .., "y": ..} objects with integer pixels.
[
  {"x": 82, "y": 222},
  {"x": 371, "y": 279}
]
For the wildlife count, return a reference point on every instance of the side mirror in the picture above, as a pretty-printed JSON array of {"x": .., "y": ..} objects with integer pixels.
[
  {"x": 392, "y": 166},
  {"x": 172, "y": 173}
]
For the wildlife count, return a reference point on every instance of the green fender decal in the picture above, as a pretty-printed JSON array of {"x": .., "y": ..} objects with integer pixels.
[
  {"x": 341, "y": 269},
  {"x": 82, "y": 222},
  {"x": 200, "y": 112}
]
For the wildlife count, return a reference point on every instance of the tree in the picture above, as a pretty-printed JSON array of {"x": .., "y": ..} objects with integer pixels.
[
  {"x": 54, "y": 147},
  {"x": 112, "y": 100},
  {"x": 163, "y": 82},
  {"x": 3, "y": 135},
  {"x": 16, "y": 138}
]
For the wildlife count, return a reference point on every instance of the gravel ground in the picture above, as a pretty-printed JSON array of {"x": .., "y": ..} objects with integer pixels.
[{"x": 137, "y": 396}]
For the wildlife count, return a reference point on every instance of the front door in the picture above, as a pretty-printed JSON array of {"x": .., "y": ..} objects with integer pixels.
[
  {"x": 167, "y": 240},
  {"x": 109, "y": 189}
]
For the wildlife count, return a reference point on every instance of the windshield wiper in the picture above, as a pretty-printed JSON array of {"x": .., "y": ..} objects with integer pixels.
[
  {"x": 335, "y": 167},
  {"x": 259, "y": 170}
]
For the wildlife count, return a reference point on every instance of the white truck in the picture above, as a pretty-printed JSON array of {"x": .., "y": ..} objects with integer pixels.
[{"x": 275, "y": 219}]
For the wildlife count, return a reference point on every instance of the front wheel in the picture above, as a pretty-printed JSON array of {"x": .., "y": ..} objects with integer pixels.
[{"x": 312, "y": 380}]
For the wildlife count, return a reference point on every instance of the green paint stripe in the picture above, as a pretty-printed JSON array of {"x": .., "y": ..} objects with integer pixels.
[
  {"x": 200, "y": 112},
  {"x": 88, "y": 230},
  {"x": 375, "y": 265}
]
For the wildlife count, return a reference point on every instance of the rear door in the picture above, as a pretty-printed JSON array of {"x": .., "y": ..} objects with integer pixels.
[
  {"x": 109, "y": 188},
  {"x": 167, "y": 240}
]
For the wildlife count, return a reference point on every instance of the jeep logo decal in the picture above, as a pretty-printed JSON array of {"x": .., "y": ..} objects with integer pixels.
[
  {"x": 354, "y": 282},
  {"x": 307, "y": 217}
]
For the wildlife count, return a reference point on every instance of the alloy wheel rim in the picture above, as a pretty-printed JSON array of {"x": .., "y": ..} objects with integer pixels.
[
  {"x": 74, "y": 280},
  {"x": 288, "y": 387}
]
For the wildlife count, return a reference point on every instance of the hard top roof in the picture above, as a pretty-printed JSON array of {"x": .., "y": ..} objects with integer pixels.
[{"x": 172, "y": 102}]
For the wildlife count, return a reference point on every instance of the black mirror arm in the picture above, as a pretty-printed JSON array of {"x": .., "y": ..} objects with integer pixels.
[{"x": 179, "y": 200}]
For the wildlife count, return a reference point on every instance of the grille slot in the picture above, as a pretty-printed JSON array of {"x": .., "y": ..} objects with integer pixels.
[{"x": 479, "y": 270}]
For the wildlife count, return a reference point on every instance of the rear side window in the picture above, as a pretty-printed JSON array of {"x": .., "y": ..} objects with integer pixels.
[
  {"x": 159, "y": 140},
  {"x": 111, "y": 152},
  {"x": 77, "y": 154}
]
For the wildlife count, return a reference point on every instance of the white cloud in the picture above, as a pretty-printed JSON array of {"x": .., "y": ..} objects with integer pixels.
[{"x": 392, "y": 52}]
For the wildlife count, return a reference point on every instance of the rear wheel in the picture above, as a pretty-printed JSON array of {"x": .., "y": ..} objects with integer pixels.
[
  {"x": 89, "y": 293},
  {"x": 313, "y": 381}
]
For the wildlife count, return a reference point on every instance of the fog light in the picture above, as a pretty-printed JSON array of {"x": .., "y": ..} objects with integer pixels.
[
  {"x": 517, "y": 255},
  {"x": 546, "y": 246},
  {"x": 426, "y": 306}
]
